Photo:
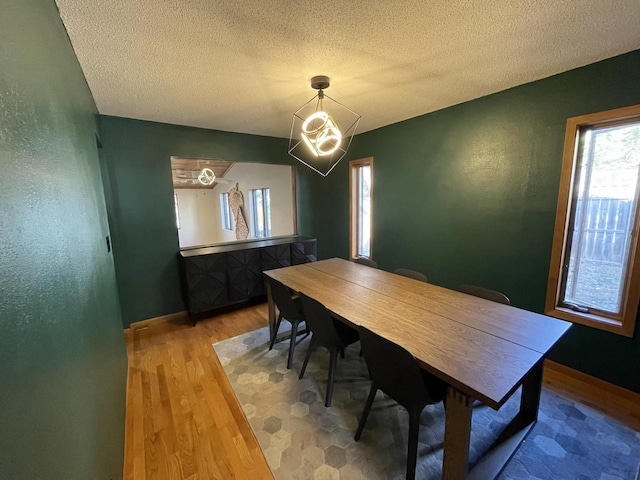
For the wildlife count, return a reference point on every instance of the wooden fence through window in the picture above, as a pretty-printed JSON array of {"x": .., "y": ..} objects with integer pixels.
[{"x": 607, "y": 225}]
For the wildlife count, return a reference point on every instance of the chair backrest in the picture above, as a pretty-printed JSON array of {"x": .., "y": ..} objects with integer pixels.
[
  {"x": 319, "y": 321},
  {"x": 405, "y": 272},
  {"x": 284, "y": 302},
  {"x": 396, "y": 373},
  {"x": 485, "y": 293},
  {"x": 367, "y": 262}
]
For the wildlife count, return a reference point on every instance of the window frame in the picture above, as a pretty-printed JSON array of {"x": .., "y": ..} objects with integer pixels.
[
  {"x": 266, "y": 212},
  {"x": 354, "y": 207},
  {"x": 225, "y": 212},
  {"x": 625, "y": 322},
  {"x": 177, "y": 208}
]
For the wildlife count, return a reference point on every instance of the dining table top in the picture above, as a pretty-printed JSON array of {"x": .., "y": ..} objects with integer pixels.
[{"x": 482, "y": 348}]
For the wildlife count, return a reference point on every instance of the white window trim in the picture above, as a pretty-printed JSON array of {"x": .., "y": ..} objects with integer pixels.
[
  {"x": 265, "y": 212},
  {"x": 225, "y": 211}
]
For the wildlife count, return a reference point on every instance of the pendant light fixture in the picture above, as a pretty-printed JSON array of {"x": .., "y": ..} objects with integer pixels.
[
  {"x": 322, "y": 130},
  {"x": 207, "y": 176}
]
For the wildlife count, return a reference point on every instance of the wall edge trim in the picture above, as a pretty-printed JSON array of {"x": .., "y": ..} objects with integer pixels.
[
  {"x": 608, "y": 398},
  {"x": 183, "y": 315}
]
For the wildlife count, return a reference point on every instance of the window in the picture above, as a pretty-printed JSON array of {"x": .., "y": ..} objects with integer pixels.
[
  {"x": 175, "y": 203},
  {"x": 361, "y": 201},
  {"x": 260, "y": 212},
  {"x": 225, "y": 211},
  {"x": 594, "y": 277}
]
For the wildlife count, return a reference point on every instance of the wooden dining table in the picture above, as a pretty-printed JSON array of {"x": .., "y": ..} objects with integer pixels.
[{"x": 484, "y": 350}]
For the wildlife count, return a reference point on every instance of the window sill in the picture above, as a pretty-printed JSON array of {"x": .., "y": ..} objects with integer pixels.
[{"x": 591, "y": 320}]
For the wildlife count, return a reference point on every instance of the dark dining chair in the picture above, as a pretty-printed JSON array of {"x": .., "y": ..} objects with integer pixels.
[
  {"x": 367, "y": 262},
  {"x": 289, "y": 310},
  {"x": 405, "y": 272},
  {"x": 395, "y": 371},
  {"x": 327, "y": 332},
  {"x": 485, "y": 293}
]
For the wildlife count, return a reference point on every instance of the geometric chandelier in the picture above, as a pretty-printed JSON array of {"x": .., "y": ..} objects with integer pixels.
[
  {"x": 322, "y": 130},
  {"x": 207, "y": 176}
]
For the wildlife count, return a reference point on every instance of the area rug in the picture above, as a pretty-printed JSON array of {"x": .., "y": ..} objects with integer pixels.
[{"x": 302, "y": 439}]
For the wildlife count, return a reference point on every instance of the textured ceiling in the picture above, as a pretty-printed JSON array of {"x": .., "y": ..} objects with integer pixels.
[{"x": 245, "y": 65}]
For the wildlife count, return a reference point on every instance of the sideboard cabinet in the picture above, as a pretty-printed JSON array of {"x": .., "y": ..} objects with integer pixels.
[{"x": 230, "y": 275}]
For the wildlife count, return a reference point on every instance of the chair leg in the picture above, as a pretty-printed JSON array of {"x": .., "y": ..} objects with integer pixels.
[
  {"x": 292, "y": 345},
  {"x": 275, "y": 332},
  {"x": 365, "y": 413},
  {"x": 333, "y": 359},
  {"x": 306, "y": 358},
  {"x": 412, "y": 448}
]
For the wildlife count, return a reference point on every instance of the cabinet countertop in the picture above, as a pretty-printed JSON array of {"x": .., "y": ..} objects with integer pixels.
[{"x": 235, "y": 246}]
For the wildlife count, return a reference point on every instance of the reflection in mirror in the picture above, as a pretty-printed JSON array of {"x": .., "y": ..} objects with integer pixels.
[{"x": 220, "y": 202}]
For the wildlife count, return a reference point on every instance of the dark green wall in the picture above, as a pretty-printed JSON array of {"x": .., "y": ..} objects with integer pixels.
[
  {"x": 468, "y": 195},
  {"x": 144, "y": 231},
  {"x": 62, "y": 353}
]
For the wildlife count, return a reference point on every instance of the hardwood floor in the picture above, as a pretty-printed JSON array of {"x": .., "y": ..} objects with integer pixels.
[{"x": 184, "y": 422}]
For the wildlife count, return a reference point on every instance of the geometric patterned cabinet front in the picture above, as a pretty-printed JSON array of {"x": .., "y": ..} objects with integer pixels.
[
  {"x": 232, "y": 274},
  {"x": 304, "y": 251},
  {"x": 276, "y": 256},
  {"x": 245, "y": 274},
  {"x": 207, "y": 281}
]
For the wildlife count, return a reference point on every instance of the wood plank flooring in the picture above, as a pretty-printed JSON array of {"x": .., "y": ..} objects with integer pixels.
[{"x": 184, "y": 422}]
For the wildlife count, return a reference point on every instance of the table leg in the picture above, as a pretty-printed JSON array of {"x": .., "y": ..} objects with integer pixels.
[
  {"x": 457, "y": 434},
  {"x": 272, "y": 311},
  {"x": 495, "y": 459},
  {"x": 530, "y": 399}
]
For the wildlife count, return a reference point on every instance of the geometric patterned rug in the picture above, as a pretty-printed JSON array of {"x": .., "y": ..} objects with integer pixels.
[{"x": 302, "y": 439}]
